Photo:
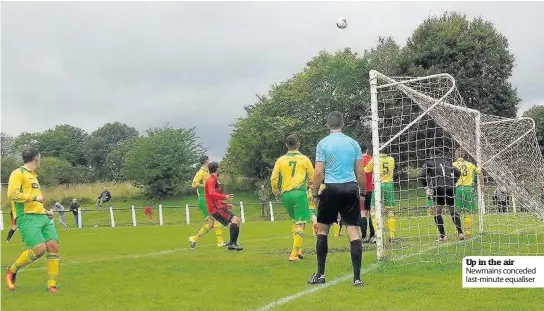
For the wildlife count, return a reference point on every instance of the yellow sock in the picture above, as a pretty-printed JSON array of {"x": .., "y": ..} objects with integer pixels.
[
  {"x": 202, "y": 231},
  {"x": 53, "y": 267},
  {"x": 336, "y": 229},
  {"x": 218, "y": 232},
  {"x": 374, "y": 223},
  {"x": 468, "y": 226},
  {"x": 297, "y": 241},
  {"x": 24, "y": 259},
  {"x": 392, "y": 225}
]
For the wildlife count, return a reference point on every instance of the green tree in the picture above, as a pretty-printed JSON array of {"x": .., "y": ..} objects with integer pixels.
[
  {"x": 537, "y": 114},
  {"x": 7, "y": 145},
  {"x": 101, "y": 142},
  {"x": 9, "y": 163},
  {"x": 24, "y": 140},
  {"x": 115, "y": 161},
  {"x": 386, "y": 57},
  {"x": 54, "y": 171},
  {"x": 65, "y": 142},
  {"x": 473, "y": 52},
  {"x": 162, "y": 161},
  {"x": 301, "y": 104}
]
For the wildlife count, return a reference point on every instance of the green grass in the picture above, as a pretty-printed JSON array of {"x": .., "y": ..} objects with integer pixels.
[{"x": 152, "y": 268}]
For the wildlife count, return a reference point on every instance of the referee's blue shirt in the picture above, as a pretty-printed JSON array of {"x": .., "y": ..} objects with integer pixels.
[{"x": 338, "y": 153}]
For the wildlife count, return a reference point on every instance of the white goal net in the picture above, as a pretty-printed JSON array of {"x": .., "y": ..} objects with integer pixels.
[{"x": 417, "y": 120}]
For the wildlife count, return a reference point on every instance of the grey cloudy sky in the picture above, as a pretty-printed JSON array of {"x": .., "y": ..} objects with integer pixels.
[{"x": 196, "y": 64}]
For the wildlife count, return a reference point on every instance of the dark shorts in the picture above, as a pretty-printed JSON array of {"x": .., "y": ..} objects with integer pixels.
[
  {"x": 340, "y": 199},
  {"x": 444, "y": 196},
  {"x": 223, "y": 216}
]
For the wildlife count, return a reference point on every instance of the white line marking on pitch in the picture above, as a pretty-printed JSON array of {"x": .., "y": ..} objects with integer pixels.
[
  {"x": 317, "y": 288},
  {"x": 296, "y": 296}
]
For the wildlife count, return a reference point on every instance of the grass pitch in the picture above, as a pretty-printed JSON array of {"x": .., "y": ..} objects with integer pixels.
[{"x": 152, "y": 268}]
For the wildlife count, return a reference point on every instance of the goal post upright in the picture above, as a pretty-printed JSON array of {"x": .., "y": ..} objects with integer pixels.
[
  {"x": 479, "y": 182},
  {"x": 373, "y": 75}
]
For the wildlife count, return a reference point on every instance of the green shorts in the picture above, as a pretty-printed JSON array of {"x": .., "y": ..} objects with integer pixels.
[
  {"x": 388, "y": 195},
  {"x": 202, "y": 206},
  {"x": 295, "y": 203},
  {"x": 430, "y": 202},
  {"x": 465, "y": 199},
  {"x": 36, "y": 229}
]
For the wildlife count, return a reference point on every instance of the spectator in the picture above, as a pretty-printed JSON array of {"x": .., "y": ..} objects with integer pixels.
[
  {"x": 264, "y": 196},
  {"x": 74, "y": 206},
  {"x": 104, "y": 197},
  {"x": 62, "y": 215}
]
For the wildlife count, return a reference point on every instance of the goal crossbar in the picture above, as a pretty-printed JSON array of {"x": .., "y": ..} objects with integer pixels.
[{"x": 401, "y": 84}]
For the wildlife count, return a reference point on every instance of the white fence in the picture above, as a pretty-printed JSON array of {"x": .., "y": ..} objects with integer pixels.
[{"x": 80, "y": 218}]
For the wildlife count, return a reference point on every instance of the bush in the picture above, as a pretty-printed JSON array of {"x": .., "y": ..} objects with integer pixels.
[
  {"x": 162, "y": 162},
  {"x": 9, "y": 163},
  {"x": 235, "y": 184}
]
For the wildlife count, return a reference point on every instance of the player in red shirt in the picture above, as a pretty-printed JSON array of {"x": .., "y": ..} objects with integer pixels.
[
  {"x": 218, "y": 209},
  {"x": 147, "y": 211},
  {"x": 366, "y": 218}
]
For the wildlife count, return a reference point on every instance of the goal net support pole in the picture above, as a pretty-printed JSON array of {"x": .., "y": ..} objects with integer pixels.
[{"x": 376, "y": 170}]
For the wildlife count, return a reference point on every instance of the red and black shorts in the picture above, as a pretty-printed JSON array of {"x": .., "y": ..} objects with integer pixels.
[
  {"x": 366, "y": 202},
  {"x": 223, "y": 216}
]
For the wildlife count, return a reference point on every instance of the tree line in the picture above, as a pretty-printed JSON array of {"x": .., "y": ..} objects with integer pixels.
[
  {"x": 162, "y": 160},
  {"x": 472, "y": 51}
]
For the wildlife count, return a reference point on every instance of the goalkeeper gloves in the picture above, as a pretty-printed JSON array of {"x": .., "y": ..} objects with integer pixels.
[{"x": 429, "y": 192}]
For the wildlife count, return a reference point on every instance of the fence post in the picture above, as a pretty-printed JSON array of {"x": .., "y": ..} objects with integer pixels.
[
  {"x": 242, "y": 213},
  {"x": 187, "y": 215},
  {"x": 271, "y": 211},
  {"x": 133, "y": 216},
  {"x": 514, "y": 205},
  {"x": 79, "y": 218},
  {"x": 161, "y": 222},
  {"x": 2, "y": 222},
  {"x": 112, "y": 219}
]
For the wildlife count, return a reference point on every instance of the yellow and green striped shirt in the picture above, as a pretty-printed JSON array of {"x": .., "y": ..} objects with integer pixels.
[
  {"x": 199, "y": 180},
  {"x": 468, "y": 171},
  {"x": 311, "y": 200},
  {"x": 23, "y": 189},
  {"x": 387, "y": 168},
  {"x": 291, "y": 171}
]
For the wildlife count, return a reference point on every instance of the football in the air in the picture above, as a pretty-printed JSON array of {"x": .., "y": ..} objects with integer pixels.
[{"x": 341, "y": 22}]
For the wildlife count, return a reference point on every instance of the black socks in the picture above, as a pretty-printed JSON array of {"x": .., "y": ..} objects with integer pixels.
[
  {"x": 356, "y": 248},
  {"x": 321, "y": 249}
]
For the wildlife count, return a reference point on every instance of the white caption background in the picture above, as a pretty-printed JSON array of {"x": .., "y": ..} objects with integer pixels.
[{"x": 503, "y": 272}]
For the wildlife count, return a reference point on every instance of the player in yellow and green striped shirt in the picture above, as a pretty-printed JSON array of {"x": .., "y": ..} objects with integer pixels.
[
  {"x": 33, "y": 220},
  {"x": 465, "y": 199},
  {"x": 313, "y": 208},
  {"x": 198, "y": 184},
  {"x": 290, "y": 177},
  {"x": 387, "y": 169}
]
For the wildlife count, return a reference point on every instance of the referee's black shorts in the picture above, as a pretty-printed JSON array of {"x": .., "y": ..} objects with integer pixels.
[
  {"x": 444, "y": 196},
  {"x": 340, "y": 199}
]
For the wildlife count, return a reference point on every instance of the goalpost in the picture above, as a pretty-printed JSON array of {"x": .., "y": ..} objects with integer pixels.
[{"x": 415, "y": 119}]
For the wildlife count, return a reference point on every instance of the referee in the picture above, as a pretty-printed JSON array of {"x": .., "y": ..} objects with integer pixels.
[{"x": 337, "y": 158}]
